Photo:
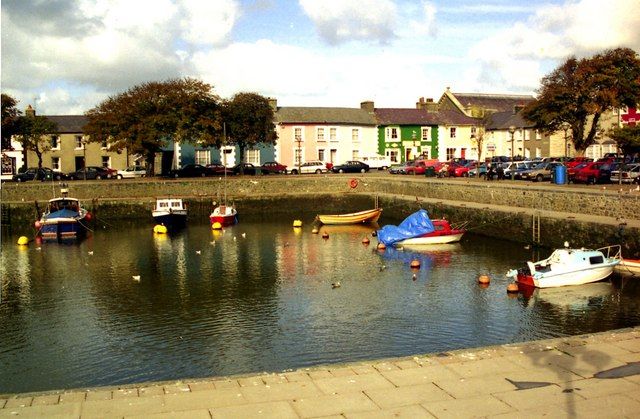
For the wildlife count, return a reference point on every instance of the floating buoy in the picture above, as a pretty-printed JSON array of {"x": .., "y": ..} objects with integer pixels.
[
  {"x": 88, "y": 216},
  {"x": 512, "y": 287},
  {"x": 216, "y": 226},
  {"x": 325, "y": 235},
  {"x": 415, "y": 264},
  {"x": 314, "y": 230},
  {"x": 483, "y": 279},
  {"x": 160, "y": 229},
  {"x": 381, "y": 246},
  {"x": 297, "y": 223},
  {"x": 23, "y": 240},
  {"x": 365, "y": 240},
  {"x": 335, "y": 285},
  {"x": 353, "y": 183},
  {"x": 37, "y": 224}
]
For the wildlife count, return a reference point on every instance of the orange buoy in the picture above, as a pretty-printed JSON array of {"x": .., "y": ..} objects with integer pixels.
[
  {"x": 483, "y": 279},
  {"x": 325, "y": 235},
  {"x": 353, "y": 183},
  {"x": 415, "y": 264},
  {"x": 512, "y": 287},
  {"x": 381, "y": 246},
  {"x": 365, "y": 240}
]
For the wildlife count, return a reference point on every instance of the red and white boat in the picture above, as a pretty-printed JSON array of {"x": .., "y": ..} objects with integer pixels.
[
  {"x": 443, "y": 233},
  {"x": 224, "y": 214}
]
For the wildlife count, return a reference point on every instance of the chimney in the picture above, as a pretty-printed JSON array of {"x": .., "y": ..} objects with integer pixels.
[
  {"x": 367, "y": 105},
  {"x": 273, "y": 102},
  {"x": 30, "y": 111},
  {"x": 431, "y": 106},
  {"x": 420, "y": 103}
]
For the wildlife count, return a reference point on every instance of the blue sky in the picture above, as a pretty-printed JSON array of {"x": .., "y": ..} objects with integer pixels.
[{"x": 66, "y": 56}]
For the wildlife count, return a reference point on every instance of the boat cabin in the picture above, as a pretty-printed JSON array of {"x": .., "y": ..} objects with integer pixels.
[
  {"x": 169, "y": 204},
  {"x": 59, "y": 204}
]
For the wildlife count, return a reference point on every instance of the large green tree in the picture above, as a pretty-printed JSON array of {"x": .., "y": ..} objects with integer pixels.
[
  {"x": 34, "y": 134},
  {"x": 627, "y": 138},
  {"x": 579, "y": 91},
  {"x": 249, "y": 121},
  {"x": 10, "y": 114},
  {"x": 146, "y": 117}
]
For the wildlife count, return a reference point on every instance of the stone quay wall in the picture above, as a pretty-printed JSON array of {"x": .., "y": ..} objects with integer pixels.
[{"x": 592, "y": 216}]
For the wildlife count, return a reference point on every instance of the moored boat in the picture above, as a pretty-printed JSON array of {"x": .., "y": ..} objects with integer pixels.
[
  {"x": 419, "y": 230},
  {"x": 63, "y": 219},
  {"x": 170, "y": 212},
  {"x": 443, "y": 233},
  {"x": 361, "y": 217},
  {"x": 569, "y": 267},
  {"x": 628, "y": 267},
  {"x": 224, "y": 214}
]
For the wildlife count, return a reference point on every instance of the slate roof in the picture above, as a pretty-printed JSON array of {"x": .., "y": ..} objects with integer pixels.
[
  {"x": 410, "y": 116},
  {"x": 503, "y": 120},
  {"x": 320, "y": 115},
  {"x": 493, "y": 102},
  {"x": 69, "y": 124}
]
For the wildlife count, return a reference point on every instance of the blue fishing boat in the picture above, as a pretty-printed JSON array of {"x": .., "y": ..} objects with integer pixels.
[{"x": 63, "y": 219}]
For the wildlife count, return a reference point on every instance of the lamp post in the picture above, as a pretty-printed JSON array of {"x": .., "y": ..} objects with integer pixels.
[
  {"x": 84, "y": 157},
  {"x": 415, "y": 146},
  {"x": 299, "y": 154},
  {"x": 512, "y": 130},
  {"x": 565, "y": 127}
]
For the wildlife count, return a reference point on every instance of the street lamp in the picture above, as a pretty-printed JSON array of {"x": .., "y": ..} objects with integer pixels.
[
  {"x": 512, "y": 130},
  {"x": 84, "y": 156},
  {"x": 415, "y": 146},
  {"x": 565, "y": 127}
]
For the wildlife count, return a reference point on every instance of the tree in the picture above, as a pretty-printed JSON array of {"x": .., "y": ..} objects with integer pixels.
[
  {"x": 249, "y": 121},
  {"x": 627, "y": 138},
  {"x": 146, "y": 117},
  {"x": 578, "y": 92},
  {"x": 33, "y": 132},
  {"x": 10, "y": 114}
]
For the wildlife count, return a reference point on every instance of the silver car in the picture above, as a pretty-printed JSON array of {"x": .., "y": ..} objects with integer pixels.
[
  {"x": 630, "y": 172},
  {"x": 132, "y": 172}
]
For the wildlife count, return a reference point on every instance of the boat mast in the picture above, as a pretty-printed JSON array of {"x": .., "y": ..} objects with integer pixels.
[{"x": 224, "y": 159}]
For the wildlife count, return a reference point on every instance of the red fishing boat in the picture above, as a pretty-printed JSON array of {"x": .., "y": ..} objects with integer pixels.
[{"x": 443, "y": 232}]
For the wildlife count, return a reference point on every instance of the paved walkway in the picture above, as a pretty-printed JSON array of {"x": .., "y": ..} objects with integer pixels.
[{"x": 584, "y": 376}]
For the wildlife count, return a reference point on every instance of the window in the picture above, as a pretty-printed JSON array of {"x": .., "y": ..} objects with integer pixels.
[
  {"x": 473, "y": 132},
  {"x": 106, "y": 161},
  {"x": 425, "y": 134},
  {"x": 78, "y": 139},
  {"x": 55, "y": 142},
  {"x": 393, "y": 155},
  {"x": 355, "y": 154},
  {"x": 103, "y": 144},
  {"x": 355, "y": 135},
  {"x": 333, "y": 134},
  {"x": 538, "y": 135},
  {"x": 253, "y": 157},
  {"x": 55, "y": 163},
  {"x": 452, "y": 132},
  {"x": 321, "y": 154},
  {"x": 203, "y": 157},
  {"x": 451, "y": 153},
  {"x": 320, "y": 134},
  {"x": 391, "y": 134}
]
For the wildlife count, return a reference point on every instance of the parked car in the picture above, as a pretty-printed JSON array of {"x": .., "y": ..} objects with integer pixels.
[
  {"x": 217, "y": 169},
  {"x": 131, "y": 172},
  {"x": 630, "y": 172},
  {"x": 93, "y": 172},
  {"x": 272, "y": 167},
  {"x": 377, "y": 162},
  {"x": 574, "y": 161},
  {"x": 541, "y": 172},
  {"x": 402, "y": 168},
  {"x": 245, "y": 169},
  {"x": 41, "y": 174},
  {"x": 313, "y": 166},
  {"x": 517, "y": 167},
  {"x": 190, "y": 170},
  {"x": 462, "y": 170},
  {"x": 419, "y": 167},
  {"x": 351, "y": 166},
  {"x": 571, "y": 171},
  {"x": 593, "y": 172}
]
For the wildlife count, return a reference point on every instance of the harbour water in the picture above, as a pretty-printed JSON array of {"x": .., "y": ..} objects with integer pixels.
[{"x": 259, "y": 297}]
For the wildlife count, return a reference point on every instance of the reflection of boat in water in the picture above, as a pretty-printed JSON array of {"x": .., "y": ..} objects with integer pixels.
[
  {"x": 170, "y": 212},
  {"x": 575, "y": 296},
  {"x": 64, "y": 219},
  {"x": 628, "y": 267},
  {"x": 569, "y": 267},
  {"x": 350, "y": 229},
  {"x": 361, "y": 217},
  {"x": 431, "y": 248}
]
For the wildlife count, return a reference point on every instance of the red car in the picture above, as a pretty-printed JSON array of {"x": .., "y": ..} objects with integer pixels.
[
  {"x": 571, "y": 171},
  {"x": 272, "y": 167},
  {"x": 420, "y": 167},
  {"x": 459, "y": 169},
  {"x": 594, "y": 172},
  {"x": 575, "y": 161}
]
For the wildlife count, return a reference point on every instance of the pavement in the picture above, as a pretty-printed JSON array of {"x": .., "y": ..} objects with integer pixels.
[{"x": 595, "y": 375}]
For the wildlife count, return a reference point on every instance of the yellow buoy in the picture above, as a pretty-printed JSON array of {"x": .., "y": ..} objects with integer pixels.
[
  {"x": 381, "y": 246},
  {"x": 216, "y": 226},
  {"x": 23, "y": 240},
  {"x": 483, "y": 279},
  {"x": 160, "y": 229},
  {"x": 415, "y": 264},
  {"x": 297, "y": 223},
  {"x": 365, "y": 240},
  {"x": 314, "y": 230},
  {"x": 512, "y": 287}
]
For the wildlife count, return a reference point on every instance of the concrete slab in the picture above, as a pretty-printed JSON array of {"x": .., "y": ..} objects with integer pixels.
[
  {"x": 535, "y": 397},
  {"x": 409, "y": 412},
  {"x": 424, "y": 375},
  {"x": 407, "y": 395},
  {"x": 275, "y": 410},
  {"x": 278, "y": 392},
  {"x": 334, "y": 405},
  {"x": 350, "y": 384},
  {"x": 467, "y": 408},
  {"x": 203, "y": 400},
  {"x": 463, "y": 388},
  {"x": 593, "y": 387},
  {"x": 66, "y": 410}
]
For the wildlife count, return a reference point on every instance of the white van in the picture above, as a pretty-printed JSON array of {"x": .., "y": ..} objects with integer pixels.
[{"x": 376, "y": 162}]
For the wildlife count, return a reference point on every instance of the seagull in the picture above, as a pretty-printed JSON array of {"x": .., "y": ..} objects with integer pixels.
[
  {"x": 38, "y": 248},
  {"x": 383, "y": 267},
  {"x": 213, "y": 243},
  {"x": 198, "y": 252},
  {"x": 335, "y": 285},
  {"x": 90, "y": 252},
  {"x": 527, "y": 247},
  {"x": 234, "y": 237},
  {"x": 136, "y": 278},
  {"x": 244, "y": 235},
  {"x": 414, "y": 277}
]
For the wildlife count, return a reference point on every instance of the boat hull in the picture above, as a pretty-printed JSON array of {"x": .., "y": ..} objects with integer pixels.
[
  {"x": 62, "y": 229},
  {"x": 176, "y": 219},
  {"x": 435, "y": 239},
  {"x": 362, "y": 217},
  {"x": 224, "y": 215},
  {"x": 561, "y": 279},
  {"x": 628, "y": 267}
]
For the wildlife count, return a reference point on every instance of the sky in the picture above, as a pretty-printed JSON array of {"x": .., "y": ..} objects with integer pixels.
[{"x": 64, "y": 57}]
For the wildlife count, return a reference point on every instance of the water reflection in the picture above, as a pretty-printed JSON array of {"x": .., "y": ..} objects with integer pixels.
[{"x": 258, "y": 297}]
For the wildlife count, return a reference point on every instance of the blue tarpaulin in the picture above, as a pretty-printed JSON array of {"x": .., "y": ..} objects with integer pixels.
[{"x": 414, "y": 225}]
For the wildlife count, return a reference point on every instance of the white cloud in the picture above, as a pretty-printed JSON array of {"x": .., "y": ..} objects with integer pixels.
[
  {"x": 209, "y": 22},
  {"x": 427, "y": 24},
  {"x": 341, "y": 21}
]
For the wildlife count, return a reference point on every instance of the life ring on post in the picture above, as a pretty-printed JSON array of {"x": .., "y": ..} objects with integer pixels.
[{"x": 353, "y": 183}]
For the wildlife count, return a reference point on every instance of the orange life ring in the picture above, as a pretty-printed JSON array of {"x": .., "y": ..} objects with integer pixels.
[{"x": 353, "y": 183}]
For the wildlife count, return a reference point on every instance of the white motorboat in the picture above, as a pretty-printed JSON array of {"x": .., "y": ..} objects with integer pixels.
[
  {"x": 569, "y": 267},
  {"x": 170, "y": 212}
]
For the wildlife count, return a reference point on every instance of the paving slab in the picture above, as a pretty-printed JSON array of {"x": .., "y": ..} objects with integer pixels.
[
  {"x": 409, "y": 412},
  {"x": 350, "y": 384},
  {"x": 467, "y": 408},
  {"x": 334, "y": 405},
  {"x": 275, "y": 410},
  {"x": 408, "y": 395}
]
